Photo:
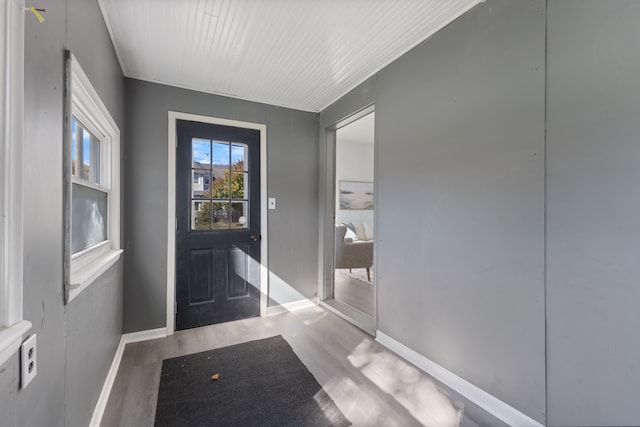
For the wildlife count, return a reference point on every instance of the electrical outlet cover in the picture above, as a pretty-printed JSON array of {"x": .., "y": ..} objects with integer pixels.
[{"x": 28, "y": 360}]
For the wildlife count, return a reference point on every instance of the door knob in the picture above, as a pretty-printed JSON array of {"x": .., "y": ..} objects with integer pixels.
[{"x": 253, "y": 238}]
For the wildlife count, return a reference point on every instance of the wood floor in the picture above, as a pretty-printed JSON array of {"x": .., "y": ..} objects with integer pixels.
[
  {"x": 371, "y": 385},
  {"x": 353, "y": 292}
]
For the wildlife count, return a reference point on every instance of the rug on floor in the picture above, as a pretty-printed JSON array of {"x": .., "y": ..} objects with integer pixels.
[{"x": 260, "y": 382}]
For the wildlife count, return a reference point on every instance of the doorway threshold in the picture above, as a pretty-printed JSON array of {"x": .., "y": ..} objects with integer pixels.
[{"x": 351, "y": 315}]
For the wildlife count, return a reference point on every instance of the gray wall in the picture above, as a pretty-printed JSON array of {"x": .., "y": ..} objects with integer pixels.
[
  {"x": 460, "y": 220},
  {"x": 593, "y": 211},
  {"x": 80, "y": 338},
  {"x": 292, "y": 156},
  {"x": 460, "y": 124},
  {"x": 461, "y": 131}
]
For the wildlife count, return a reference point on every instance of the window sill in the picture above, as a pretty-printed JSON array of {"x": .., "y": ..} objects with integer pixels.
[
  {"x": 82, "y": 277},
  {"x": 11, "y": 338}
]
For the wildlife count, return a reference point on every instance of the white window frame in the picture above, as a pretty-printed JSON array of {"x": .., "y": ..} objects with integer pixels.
[
  {"x": 12, "y": 326},
  {"x": 89, "y": 264}
]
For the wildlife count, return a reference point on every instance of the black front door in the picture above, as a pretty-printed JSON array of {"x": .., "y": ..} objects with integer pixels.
[{"x": 218, "y": 224}]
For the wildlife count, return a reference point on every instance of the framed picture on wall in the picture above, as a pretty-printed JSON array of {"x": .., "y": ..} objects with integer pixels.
[{"x": 356, "y": 195}]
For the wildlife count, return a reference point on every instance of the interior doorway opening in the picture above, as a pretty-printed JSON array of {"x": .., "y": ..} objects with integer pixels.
[{"x": 351, "y": 285}]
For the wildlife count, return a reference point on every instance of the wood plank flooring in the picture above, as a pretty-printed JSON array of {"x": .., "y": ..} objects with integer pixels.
[
  {"x": 353, "y": 292},
  {"x": 371, "y": 385}
]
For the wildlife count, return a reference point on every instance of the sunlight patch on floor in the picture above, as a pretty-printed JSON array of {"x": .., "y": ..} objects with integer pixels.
[
  {"x": 363, "y": 407},
  {"x": 411, "y": 388},
  {"x": 315, "y": 319}
]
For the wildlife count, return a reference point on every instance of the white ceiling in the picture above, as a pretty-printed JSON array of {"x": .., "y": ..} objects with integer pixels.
[{"x": 303, "y": 54}]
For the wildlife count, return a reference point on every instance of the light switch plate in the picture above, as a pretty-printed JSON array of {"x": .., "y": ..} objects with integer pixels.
[
  {"x": 272, "y": 202},
  {"x": 28, "y": 361}
]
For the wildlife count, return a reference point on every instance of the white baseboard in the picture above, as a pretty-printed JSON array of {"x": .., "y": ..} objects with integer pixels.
[
  {"x": 290, "y": 306},
  {"x": 101, "y": 404},
  {"x": 489, "y": 403},
  {"x": 125, "y": 339},
  {"x": 150, "y": 334}
]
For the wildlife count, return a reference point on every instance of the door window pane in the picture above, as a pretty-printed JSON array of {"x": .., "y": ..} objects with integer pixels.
[
  {"x": 88, "y": 217},
  {"x": 238, "y": 157},
  {"x": 220, "y": 191},
  {"x": 220, "y": 153},
  {"x": 220, "y": 184},
  {"x": 200, "y": 167},
  {"x": 239, "y": 217},
  {"x": 201, "y": 153},
  {"x": 201, "y": 184},
  {"x": 200, "y": 215},
  {"x": 238, "y": 185},
  {"x": 220, "y": 215}
]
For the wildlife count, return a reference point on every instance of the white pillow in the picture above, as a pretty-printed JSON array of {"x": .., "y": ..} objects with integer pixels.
[
  {"x": 368, "y": 231},
  {"x": 350, "y": 235},
  {"x": 360, "y": 231}
]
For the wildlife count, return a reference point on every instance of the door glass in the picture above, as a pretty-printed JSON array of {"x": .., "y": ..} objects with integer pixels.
[
  {"x": 220, "y": 215},
  {"x": 219, "y": 185},
  {"x": 238, "y": 185},
  {"x": 238, "y": 156},
  {"x": 220, "y": 153},
  {"x": 201, "y": 153},
  {"x": 200, "y": 167},
  {"x": 200, "y": 215},
  {"x": 239, "y": 215}
]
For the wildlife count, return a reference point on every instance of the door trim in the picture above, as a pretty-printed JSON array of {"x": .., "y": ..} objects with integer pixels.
[{"x": 171, "y": 208}]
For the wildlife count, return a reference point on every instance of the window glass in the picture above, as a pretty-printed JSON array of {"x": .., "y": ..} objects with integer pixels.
[
  {"x": 85, "y": 153},
  {"x": 88, "y": 217},
  {"x": 89, "y": 204}
]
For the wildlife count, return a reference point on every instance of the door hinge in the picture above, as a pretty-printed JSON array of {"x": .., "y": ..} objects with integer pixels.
[
  {"x": 176, "y": 224},
  {"x": 175, "y": 307}
]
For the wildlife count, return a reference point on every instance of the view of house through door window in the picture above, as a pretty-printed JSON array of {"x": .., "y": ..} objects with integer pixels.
[
  {"x": 354, "y": 278},
  {"x": 220, "y": 187}
]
